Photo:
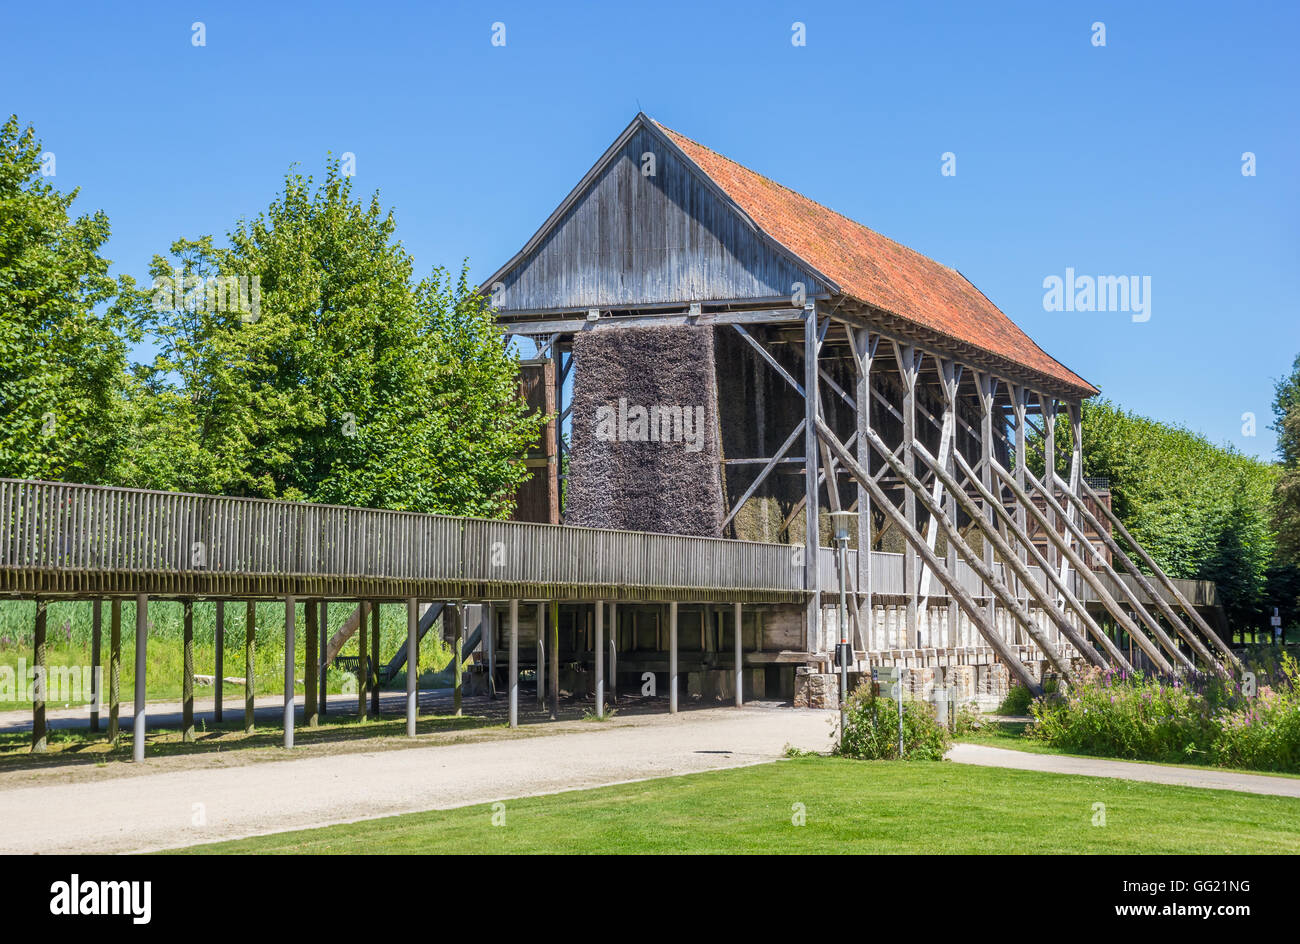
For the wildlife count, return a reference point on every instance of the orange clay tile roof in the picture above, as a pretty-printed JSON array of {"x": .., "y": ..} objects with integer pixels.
[{"x": 876, "y": 270}]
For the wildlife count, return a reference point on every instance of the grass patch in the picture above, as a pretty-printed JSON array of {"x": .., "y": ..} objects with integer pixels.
[{"x": 849, "y": 806}]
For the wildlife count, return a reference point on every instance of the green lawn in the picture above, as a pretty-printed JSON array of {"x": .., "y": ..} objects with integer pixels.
[{"x": 851, "y": 806}]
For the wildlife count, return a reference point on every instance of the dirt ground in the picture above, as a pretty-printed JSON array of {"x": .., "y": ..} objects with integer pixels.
[{"x": 176, "y": 801}]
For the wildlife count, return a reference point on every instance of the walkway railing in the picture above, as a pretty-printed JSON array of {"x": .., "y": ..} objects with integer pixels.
[{"x": 65, "y": 539}]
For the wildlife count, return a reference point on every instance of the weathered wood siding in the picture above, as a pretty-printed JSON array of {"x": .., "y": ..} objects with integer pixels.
[{"x": 632, "y": 239}]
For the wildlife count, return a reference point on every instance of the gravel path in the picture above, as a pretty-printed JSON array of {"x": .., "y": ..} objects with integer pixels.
[
  {"x": 985, "y": 756},
  {"x": 167, "y": 809}
]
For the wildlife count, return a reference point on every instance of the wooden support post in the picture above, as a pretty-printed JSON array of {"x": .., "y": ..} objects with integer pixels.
[
  {"x": 141, "y": 669},
  {"x": 987, "y": 387},
  {"x": 372, "y": 673},
  {"x": 1155, "y": 568},
  {"x": 40, "y": 675},
  {"x": 740, "y": 658},
  {"x": 363, "y": 659},
  {"x": 864, "y": 350},
  {"x": 1053, "y": 578},
  {"x": 996, "y": 585},
  {"x": 1010, "y": 558},
  {"x": 540, "y": 672},
  {"x": 324, "y": 664},
  {"x": 1019, "y": 408},
  {"x": 1129, "y": 597},
  {"x": 812, "y": 516},
  {"x": 513, "y": 688},
  {"x": 96, "y": 661},
  {"x": 412, "y": 664},
  {"x": 250, "y": 666},
  {"x": 457, "y": 658},
  {"x": 554, "y": 666},
  {"x": 488, "y": 634},
  {"x": 950, "y": 582},
  {"x": 219, "y": 684},
  {"x": 908, "y": 373},
  {"x": 598, "y": 651},
  {"x": 1048, "y": 407},
  {"x": 1082, "y": 569},
  {"x": 1147, "y": 586},
  {"x": 114, "y": 670},
  {"x": 310, "y": 670},
  {"x": 187, "y": 669},
  {"x": 290, "y": 637},
  {"x": 672, "y": 655}
]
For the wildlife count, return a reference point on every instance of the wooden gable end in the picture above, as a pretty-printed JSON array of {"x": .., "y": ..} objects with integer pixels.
[{"x": 631, "y": 238}]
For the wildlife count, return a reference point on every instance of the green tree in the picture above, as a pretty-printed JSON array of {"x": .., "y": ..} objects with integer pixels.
[
  {"x": 62, "y": 362},
  {"x": 336, "y": 379}
]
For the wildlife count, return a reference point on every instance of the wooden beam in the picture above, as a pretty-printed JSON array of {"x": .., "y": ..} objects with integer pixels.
[
  {"x": 1161, "y": 576},
  {"x": 812, "y": 517},
  {"x": 96, "y": 659},
  {"x": 1053, "y": 578},
  {"x": 1009, "y": 557},
  {"x": 310, "y": 673},
  {"x": 1156, "y": 597},
  {"x": 290, "y": 637},
  {"x": 114, "y": 670},
  {"x": 950, "y": 582},
  {"x": 1129, "y": 596},
  {"x": 187, "y": 671},
  {"x": 40, "y": 679},
  {"x": 1083, "y": 570}
]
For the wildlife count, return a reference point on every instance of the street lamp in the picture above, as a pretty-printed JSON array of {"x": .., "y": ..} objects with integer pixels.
[{"x": 843, "y": 522}]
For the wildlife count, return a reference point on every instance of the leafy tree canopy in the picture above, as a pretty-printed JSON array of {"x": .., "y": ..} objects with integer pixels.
[
  {"x": 331, "y": 376},
  {"x": 62, "y": 362}
]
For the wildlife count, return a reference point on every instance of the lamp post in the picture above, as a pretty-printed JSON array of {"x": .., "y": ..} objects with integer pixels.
[{"x": 842, "y": 521}]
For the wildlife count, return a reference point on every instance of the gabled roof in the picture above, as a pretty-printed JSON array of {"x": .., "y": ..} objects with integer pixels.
[{"x": 876, "y": 270}]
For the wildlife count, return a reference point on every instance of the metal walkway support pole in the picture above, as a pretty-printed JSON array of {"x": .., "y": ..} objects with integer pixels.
[
  {"x": 310, "y": 673},
  {"x": 514, "y": 664},
  {"x": 612, "y": 673},
  {"x": 363, "y": 667},
  {"x": 219, "y": 685},
  {"x": 540, "y": 673},
  {"x": 40, "y": 672},
  {"x": 96, "y": 661},
  {"x": 187, "y": 668},
  {"x": 740, "y": 660},
  {"x": 290, "y": 637},
  {"x": 598, "y": 654},
  {"x": 250, "y": 666},
  {"x": 372, "y": 670},
  {"x": 457, "y": 657},
  {"x": 141, "y": 666},
  {"x": 973, "y": 611},
  {"x": 114, "y": 671},
  {"x": 555, "y": 660},
  {"x": 412, "y": 664},
  {"x": 672, "y": 657}
]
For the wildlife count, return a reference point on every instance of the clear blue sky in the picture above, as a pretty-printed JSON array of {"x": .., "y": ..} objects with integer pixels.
[{"x": 1117, "y": 160}]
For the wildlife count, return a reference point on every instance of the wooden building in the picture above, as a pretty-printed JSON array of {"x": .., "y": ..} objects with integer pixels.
[{"x": 733, "y": 359}]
